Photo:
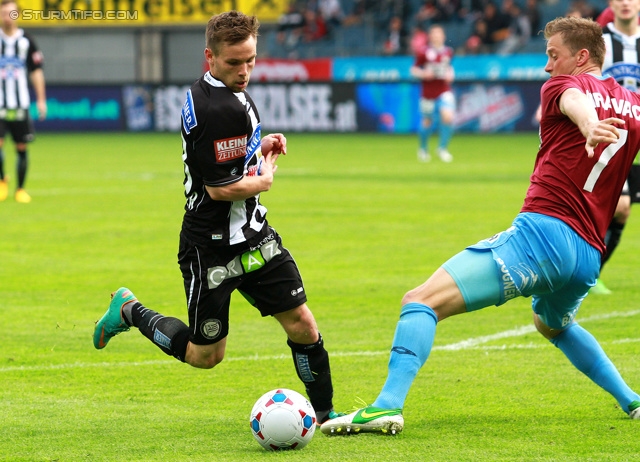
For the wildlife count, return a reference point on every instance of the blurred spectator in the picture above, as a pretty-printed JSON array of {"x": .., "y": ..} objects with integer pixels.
[
  {"x": 505, "y": 7},
  {"x": 492, "y": 27},
  {"x": 331, "y": 13},
  {"x": 519, "y": 31},
  {"x": 314, "y": 27},
  {"x": 453, "y": 9},
  {"x": 472, "y": 46},
  {"x": 481, "y": 33},
  {"x": 478, "y": 5},
  {"x": 396, "y": 41},
  {"x": 419, "y": 40},
  {"x": 290, "y": 27},
  {"x": 388, "y": 9},
  {"x": 438, "y": 11},
  {"x": 360, "y": 9},
  {"x": 605, "y": 17},
  {"x": 533, "y": 13},
  {"x": 427, "y": 13},
  {"x": 582, "y": 8},
  {"x": 573, "y": 12},
  {"x": 450, "y": 9}
]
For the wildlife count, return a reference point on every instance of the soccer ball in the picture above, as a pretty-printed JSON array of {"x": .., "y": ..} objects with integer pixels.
[{"x": 282, "y": 419}]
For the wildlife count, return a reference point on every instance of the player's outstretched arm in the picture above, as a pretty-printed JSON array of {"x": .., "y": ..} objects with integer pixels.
[{"x": 575, "y": 105}]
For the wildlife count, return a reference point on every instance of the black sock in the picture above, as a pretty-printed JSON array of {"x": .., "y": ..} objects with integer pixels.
[
  {"x": 611, "y": 239},
  {"x": 171, "y": 335},
  {"x": 312, "y": 366},
  {"x": 22, "y": 167},
  {"x": 1, "y": 164}
]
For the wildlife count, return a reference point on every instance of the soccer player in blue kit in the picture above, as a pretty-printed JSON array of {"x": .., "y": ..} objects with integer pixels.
[
  {"x": 226, "y": 243},
  {"x": 590, "y": 134}
]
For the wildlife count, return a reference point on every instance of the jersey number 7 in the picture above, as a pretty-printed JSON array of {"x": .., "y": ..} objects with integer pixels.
[{"x": 604, "y": 159}]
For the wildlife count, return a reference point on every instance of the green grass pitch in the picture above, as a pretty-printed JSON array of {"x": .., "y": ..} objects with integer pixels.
[{"x": 366, "y": 222}]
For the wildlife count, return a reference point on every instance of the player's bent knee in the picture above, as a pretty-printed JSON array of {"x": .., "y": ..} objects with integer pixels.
[
  {"x": 546, "y": 331},
  {"x": 206, "y": 362},
  {"x": 410, "y": 297},
  {"x": 426, "y": 290},
  {"x": 299, "y": 324},
  {"x": 447, "y": 117},
  {"x": 204, "y": 356},
  {"x": 300, "y": 316}
]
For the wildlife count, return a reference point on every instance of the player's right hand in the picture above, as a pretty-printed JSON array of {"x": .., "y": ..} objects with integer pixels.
[{"x": 269, "y": 167}]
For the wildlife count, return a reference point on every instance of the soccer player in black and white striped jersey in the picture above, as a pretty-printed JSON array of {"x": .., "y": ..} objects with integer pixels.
[
  {"x": 20, "y": 61},
  {"x": 226, "y": 243},
  {"x": 622, "y": 61}
]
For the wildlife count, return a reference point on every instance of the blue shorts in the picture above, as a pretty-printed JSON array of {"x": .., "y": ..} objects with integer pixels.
[
  {"x": 428, "y": 107},
  {"x": 538, "y": 256}
]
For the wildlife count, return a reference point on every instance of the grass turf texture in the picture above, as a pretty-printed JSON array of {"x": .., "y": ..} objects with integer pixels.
[{"x": 365, "y": 222}]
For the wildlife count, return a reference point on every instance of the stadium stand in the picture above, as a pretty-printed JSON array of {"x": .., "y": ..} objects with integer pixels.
[{"x": 364, "y": 32}]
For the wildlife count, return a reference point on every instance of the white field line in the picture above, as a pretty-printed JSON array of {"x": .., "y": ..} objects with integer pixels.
[
  {"x": 519, "y": 331},
  {"x": 475, "y": 343}
]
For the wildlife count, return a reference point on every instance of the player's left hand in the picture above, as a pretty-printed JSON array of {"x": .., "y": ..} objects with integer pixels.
[
  {"x": 274, "y": 143},
  {"x": 42, "y": 110},
  {"x": 603, "y": 131}
]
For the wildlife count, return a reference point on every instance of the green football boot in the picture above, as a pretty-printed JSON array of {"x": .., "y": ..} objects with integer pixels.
[
  {"x": 369, "y": 419},
  {"x": 112, "y": 322}
]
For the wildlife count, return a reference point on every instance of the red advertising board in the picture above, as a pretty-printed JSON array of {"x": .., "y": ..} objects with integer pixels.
[
  {"x": 284, "y": 70},
  {"x": 289, "y": 70}
]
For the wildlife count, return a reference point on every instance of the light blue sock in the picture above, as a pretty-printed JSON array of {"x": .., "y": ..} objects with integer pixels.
[
  {"x": 446, "y": 132},
  {"x": 423, "y": 137},
  {"x": 586, "y": 354},
  {"x": 412, "y": 344},
  {"x": 424, "y": 133}
]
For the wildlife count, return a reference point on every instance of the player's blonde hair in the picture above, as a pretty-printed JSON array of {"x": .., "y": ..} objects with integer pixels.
[
  {"x": 231, "y": 27},
  {"x": 578, "y": 34}
]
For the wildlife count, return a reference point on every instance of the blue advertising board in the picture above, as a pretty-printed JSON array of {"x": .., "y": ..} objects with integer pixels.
[
  {"x": 81, "y": 108},
  {"x": 524, "y": 67},
  {"x": 387, "y": 107},
  {"x": 372, "y": 69},
  {"x": 493, "y": 67},
  {"x": 138, "y": 107},
  {"x": 383, "y": 107},
  {"x": 482, "y": 107}
]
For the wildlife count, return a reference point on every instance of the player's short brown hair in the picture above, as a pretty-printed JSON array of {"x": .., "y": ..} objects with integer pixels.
[
  {"x": 231, "y": 27},
  {"x": 578, "y": 34}
]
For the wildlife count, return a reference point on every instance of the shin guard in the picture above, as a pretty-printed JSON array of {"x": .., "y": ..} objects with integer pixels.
[
  {"x": 171, "y": 335},
  {"x": 312, "y": 366}
]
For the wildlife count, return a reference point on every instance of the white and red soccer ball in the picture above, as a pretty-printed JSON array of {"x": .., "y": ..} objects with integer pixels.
[{"x": 282, "y": 419}]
